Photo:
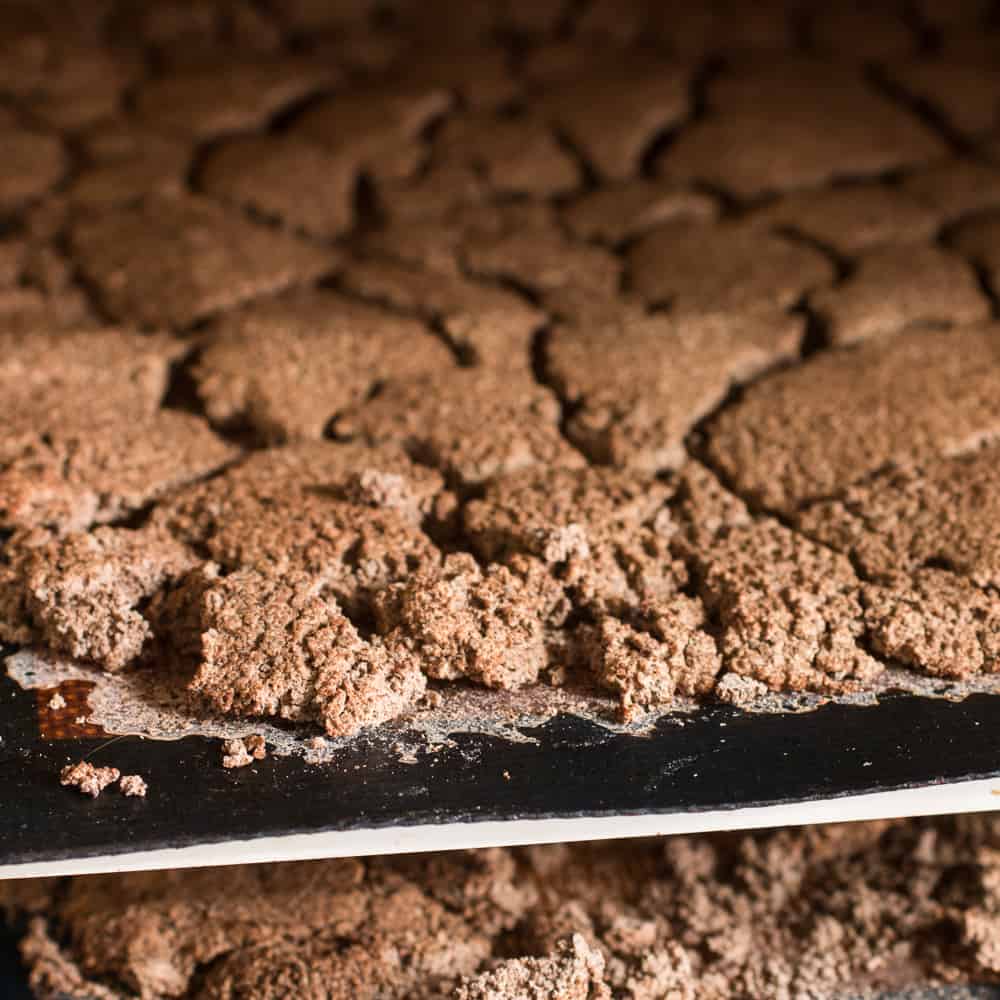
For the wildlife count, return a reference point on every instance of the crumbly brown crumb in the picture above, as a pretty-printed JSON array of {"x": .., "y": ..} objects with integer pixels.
[
  {"x": 280, "y": 645},
  {"x": 603, "y": 534},
  {"x": 839, "y": 910},
  {"x": 646, "y": 668},
  {"x": 575, "y": 971},
  {"x": 454, "y": 298},
  {"x": 790, "y": 609},
  {"x": 133, "y": 786},
  {"x": 935, "y": 622},
  {"x": 88, "y": 779},
  {"x": 489, "y": 626},
  {"x": 241, "y": 752},
  {"x": 82, "y": 593}
]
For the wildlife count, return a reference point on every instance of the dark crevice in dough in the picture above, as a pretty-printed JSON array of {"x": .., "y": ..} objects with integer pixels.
[
  {"x": 881, "y": 81},
  {"x": 658, "y": 144}
]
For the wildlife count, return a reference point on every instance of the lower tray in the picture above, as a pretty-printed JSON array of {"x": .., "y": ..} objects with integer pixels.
[{"x": 717, "y": 769}]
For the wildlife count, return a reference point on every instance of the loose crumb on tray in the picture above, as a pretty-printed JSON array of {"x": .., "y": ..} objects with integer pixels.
[
  {"x": 133, "y": 786},
  {"x": 90, "y": 780},
  {"x": 241, "y": 752}
]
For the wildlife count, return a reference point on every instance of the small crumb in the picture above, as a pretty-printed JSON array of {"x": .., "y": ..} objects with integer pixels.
[
  {"x": 241, "y": 752},
  {"x": 89, "y": 779},
  {"x": 506, "y": 775},
  {"x": 132, "y": 785},
  {"x": 56, "y": 702},
  {"x": 81, "y": 720}
]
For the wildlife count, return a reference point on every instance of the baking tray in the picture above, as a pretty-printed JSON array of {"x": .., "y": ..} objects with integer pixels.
[{"x": 575, "y": 780}]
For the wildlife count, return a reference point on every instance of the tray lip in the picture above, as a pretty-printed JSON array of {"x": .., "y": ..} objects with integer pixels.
[{"x": 934, "y": 799}]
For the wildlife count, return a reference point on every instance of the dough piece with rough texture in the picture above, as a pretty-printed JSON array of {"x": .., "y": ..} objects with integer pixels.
[
  {"x": 812, "y": 431},
  {"x": 32, "y": 163},
  {"x": 356, "y": 550},
  {"x": 172, "y": 261},
  {"x": 473, "y": 425},
  {"x": 280, "y": 645},
  {"x": 623, "y": 212},
  {"x": 935, "y": 622},
  {"x": 437, "y": 242},
  {"x": 378, "y": 126},
  {"x": 789, "y": 609},
  {"x": 63, "y": 381},
  {"x": 855, "y": 217},
  {"x": 83, "y": 593},
  {"x": 288, "y": 366},
  {"x": 604, "y": 534},
  {"x": 896, "y": 287},
  {"x": 671, "y": 655},
  {"x": 438, "y": 191},
  {"x": 613, "y": 113},
  {"x": 658, "y": 376},
  {"x": 75, "y": 478},
  {"x": 516, "y": 156},
  {"x": 487, "y": 325},
  {"x": 543, "y": 261},
  {"x": 382, "y": 477},
  {"x": 208, "y": 102},
  {"x": 303, "y": 185},
  {"x": 575, "y": 971},
  {"x": 944, "y": 513},
  {"x": 763, "y": 132},
  {"x": 724, "y": 267},
  {"x": 128, "y": 163},
  {"x": 487, "y": 625}
]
